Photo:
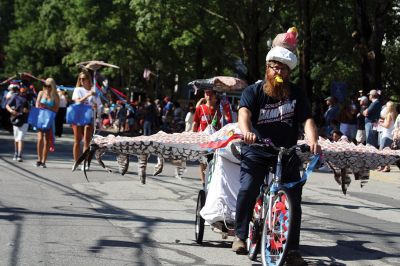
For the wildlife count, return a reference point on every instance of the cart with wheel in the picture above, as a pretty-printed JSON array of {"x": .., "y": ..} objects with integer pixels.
[{"x": 216, "y": 202}]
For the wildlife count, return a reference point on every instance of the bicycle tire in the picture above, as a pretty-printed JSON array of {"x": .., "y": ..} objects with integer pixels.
[
  {"x": 274, "y": 240},
  {"x": 253, "y": 237},
  {"x": 199, "y": 222}
]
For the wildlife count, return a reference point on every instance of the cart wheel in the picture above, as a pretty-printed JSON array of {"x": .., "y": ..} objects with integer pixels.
[{"x": 199, "y": 230}]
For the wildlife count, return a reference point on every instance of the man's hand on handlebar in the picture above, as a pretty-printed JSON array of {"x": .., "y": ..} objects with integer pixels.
[
  {"x": 249, "y": 137},
  {"x": 315, "y": 148}
]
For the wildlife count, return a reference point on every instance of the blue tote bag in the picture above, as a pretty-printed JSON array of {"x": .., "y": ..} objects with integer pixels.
[
  {"x": 41, "y": 118},
  {"x": 79, "y": 114}
]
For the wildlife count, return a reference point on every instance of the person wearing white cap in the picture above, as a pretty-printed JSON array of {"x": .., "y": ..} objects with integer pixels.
[
  {"x": 360, "y": 135},
  {"x": 372, "y": 114},
  {"x": 18, "y": 108},
  {"x": 274, "y": 109}
]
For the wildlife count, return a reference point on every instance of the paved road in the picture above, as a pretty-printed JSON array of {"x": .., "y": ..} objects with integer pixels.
[{"x": 54, "y": 217}]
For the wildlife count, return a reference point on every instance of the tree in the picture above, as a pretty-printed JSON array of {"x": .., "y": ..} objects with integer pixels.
[
  {"x": 6, "y": 24},
  {"x": 371, "y": 17}
]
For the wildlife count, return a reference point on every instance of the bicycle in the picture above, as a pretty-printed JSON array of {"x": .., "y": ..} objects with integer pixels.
[{"x": 271, "y": 221}]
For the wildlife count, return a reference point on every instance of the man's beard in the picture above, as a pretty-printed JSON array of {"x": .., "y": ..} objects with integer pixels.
[{"x": 276, "y": 90}]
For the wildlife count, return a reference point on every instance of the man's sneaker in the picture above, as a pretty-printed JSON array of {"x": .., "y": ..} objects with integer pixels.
[
  {"x": 43, "y": 165},
  {"x": 19, "y": 159},
  {"x": 293, "y": 258},
  {"x": 239, "y": 246},
  {"x": 37, "y": 164},
  {"x": 15, "y": 157}
]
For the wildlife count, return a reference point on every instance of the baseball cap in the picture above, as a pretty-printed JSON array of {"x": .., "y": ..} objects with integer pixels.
[
  {"x": 363, "y": 98},
  {"x": 373, "y": 92}
]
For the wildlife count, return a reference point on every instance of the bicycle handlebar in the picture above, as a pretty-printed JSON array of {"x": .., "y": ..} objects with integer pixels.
[
  {"x": 268, "y": 143},
  {"x": 259, "y": 142}
]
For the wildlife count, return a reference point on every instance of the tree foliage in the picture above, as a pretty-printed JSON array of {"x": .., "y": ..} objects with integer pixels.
[{"x": 183, "y": 40}]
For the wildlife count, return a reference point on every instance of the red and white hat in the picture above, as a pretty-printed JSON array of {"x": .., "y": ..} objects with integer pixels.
[{"x": 283, "y": 48}]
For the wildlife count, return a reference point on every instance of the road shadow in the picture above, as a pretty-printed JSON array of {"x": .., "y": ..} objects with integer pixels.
[
  {"x": 347, "y": 251},
  {"x": 350, "y": 207}
]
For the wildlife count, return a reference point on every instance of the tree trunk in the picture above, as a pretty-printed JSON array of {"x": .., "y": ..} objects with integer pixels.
[
  {"x": 251, "y": 55},
  {"x": 304, "y": 53},
  {"x": 250, "y": 44},
  {"x": 368, "y": 37}
]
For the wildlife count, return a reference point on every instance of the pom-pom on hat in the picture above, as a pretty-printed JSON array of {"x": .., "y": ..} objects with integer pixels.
[{"x": 283, "y": 48}]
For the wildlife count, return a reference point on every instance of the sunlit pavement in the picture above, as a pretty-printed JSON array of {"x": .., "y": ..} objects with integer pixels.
[{"x": 115, "y": 220}]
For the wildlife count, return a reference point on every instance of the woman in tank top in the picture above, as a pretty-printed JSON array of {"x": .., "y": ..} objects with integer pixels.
[{"x": 48, "y": 99}]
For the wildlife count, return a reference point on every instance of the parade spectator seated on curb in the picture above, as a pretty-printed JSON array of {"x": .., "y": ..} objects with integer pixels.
[{"x": 273, "y": 108}]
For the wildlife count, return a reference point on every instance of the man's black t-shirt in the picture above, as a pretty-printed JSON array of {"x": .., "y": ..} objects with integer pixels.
[
  {"x": 18, "y": 102},
  {"x": 274, "y": 119}
]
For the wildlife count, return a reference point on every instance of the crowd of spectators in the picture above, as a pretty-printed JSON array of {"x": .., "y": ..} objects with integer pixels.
[{"x": 362, "y": 119}]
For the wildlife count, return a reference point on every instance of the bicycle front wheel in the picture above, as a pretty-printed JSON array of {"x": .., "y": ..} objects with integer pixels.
[{"x": 276, "y": 228}]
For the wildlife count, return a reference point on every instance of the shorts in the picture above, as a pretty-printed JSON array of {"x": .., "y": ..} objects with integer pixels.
[
  {"x": 360, "y": 136},
  {"x": 20, "y": 132}
]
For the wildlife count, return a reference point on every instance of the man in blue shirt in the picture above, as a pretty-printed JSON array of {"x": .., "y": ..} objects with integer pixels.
[
  {"x": 372, "y": 114},
  {"x": 330, "y": 114},
  {"x": 274, "y": 109}
]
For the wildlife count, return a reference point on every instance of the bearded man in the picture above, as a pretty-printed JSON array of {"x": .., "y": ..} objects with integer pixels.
[{"x": 274, "y": 109}]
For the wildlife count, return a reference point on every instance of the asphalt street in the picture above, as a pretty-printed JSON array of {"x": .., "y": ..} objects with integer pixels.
[{"x": 53, "y": 216}]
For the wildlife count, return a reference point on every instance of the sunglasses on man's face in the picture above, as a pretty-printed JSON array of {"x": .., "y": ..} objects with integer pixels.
[{"x": 277, "y": 69}]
